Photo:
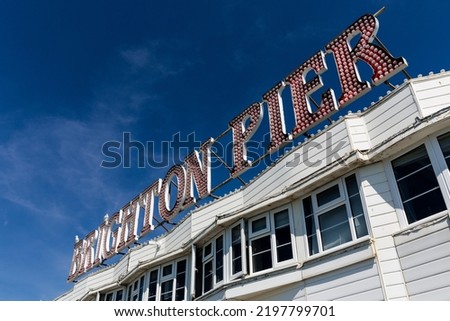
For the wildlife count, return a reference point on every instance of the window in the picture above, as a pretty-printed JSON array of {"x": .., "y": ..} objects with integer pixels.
[
  {"x": 334, "y": 215},
  {"x": 153, "y": 285},
  {"x": 168, "y": 282},
  {"x": 116, "y": 295},
  {"x": 444, "y": 143},
  {"x": 238, "y": 250},
  {"x": 270, "y": 239},
  {"x": 419, "y": 189},
  {"x": 136, "y": 289},
  {"x": 180, "y": 281},
  {"x": 213, "y": 263}
]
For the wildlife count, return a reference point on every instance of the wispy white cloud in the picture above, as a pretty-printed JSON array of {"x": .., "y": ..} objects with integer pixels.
[
  {"x": 158, "y": 59},
  {"x": 136, "y": 57},
  {"x": 53, "y": 161}
]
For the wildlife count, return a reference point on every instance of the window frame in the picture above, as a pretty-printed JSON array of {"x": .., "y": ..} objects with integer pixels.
[
  {"x": 160, "y": 279},
  {"x": 114, "y": 294},
  {"x": 229, "y": 256},
  {"x": 317, "y": 211},
  {"x": 270, "y": 231},
  {"x": 212, "y": 257},
  {"x": 137, "y": 288},
  {"x": 440, "y": 169}
]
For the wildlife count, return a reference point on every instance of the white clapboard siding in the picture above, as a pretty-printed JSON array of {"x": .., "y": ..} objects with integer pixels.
[
  {"x": 432, "y": 93},
  {"x": 379, "y": 202},
  {"x": 206, "y": 215},
  {"x": 391, "y": 115},
  {"x": 357, "y": 132},
  {"x": 297, "y": 165},
  {"x": 425, "y": 259},
  {"x": 143, "y": 253},
  {"x": 178, "y": 237},
  {"x": 350, "y": 274},
  {"x": 384, "y": 222},
  {"x": 285, "y": 293},
  {"x": 360, "y": 281},
  {"x": 92, "y": 282}
]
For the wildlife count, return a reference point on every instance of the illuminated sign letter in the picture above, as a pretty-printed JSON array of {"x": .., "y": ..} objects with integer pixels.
[
  {"x": 278, "y": 135},
  {"x": 88, "y": 248},
  {"x": 383, "y": 64},
  {"x": 103, "y": 231},
  {"x": 110, "y": 238},
  {"x": 241, "y": 135},
  {"x": 147, "y": 201},
  {"x": 77, "y": 266},
  {"x": 301, "y": 90},
  {"x": 165, "y": 211},
  {"x": 129, "y": 223},
  {"x": 198, "y": 173}
]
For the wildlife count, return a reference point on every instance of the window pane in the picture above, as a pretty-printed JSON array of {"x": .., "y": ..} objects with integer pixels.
[
  {"x": 411, "y": 162},
  {"x": 166, "y": 290},
  {"x": 208, "y": 279},
  {"x": 180, "y": 281},
  {"x": 334, "y": 228},
  {"x": 180, "y": 294},
  {"x": 153, "y": 285},
  {"x": 259, "y": 224},
  {"x": 284, "y": 245},
  {"x": 167, "y": 270},
  {"x": 237, "y": 264},
  {"x": 261, "y": 256},
  {"x": 444, "y": 141},
  {"x": 129, "y": 293},
  {"x": 424, "y": 205},
  {"x": 310, "y": 226},
  {"x": 418, "y": 185},
  {"x": 281, "y": 218},
  {"x": 352, "y": 185},
  {"x": 207, "y": 250},
  {"x": 109, "y": 296},
  {"x": 328, "y": 195},
  {"x": 360, "y": 225},
  {"x": 141, "y": 288},
  {"x": 356, "y": 206},
  {"x": 236, "y": 250},
  {"x": 283, "y": 236},
  {"x": 219, "y": 259},
  {"x": 119, "y": 295}
]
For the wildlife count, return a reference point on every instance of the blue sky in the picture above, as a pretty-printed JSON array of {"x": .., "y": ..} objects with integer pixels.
[{"x": 76, "y": 74}]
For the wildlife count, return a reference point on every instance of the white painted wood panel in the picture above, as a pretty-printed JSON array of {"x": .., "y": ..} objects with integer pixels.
[
  {"x": 206, "y": 215},
  {"x": 432, "y": 93},
  {"x": 350, "y": 282},
  {"x": 319, "y": 150},
  {"x": 442, "y": 294},
  {"x": 357, "y": 132},
  {"x": 179, "y": 236},
  {"x": 286, "y": 293},
  {"x": 384, "y": 222},
  {"x": 391, "y": 115},
  {"x": 425, "y": 259}
]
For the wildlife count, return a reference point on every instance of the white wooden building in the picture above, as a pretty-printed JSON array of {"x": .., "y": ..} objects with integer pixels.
[{"x": 369, "y": 221}]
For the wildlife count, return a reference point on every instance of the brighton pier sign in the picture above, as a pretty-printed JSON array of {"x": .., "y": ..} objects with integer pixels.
[{"x": 120, "y": 231}]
